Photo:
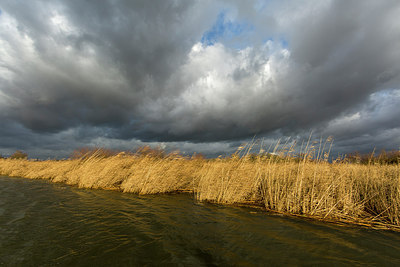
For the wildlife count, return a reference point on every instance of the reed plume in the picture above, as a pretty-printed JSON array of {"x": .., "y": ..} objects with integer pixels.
[{"x": 287, "y": 178}]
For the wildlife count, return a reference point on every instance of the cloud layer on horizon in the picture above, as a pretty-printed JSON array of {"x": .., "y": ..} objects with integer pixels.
[{"x": 209, "y": 73}]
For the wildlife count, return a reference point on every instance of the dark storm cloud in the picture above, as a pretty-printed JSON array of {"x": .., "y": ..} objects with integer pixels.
[
  {"x": 92, "y": 63},
  {"x": 373, "y": 124},
  {"x": 132, "y": 71}
]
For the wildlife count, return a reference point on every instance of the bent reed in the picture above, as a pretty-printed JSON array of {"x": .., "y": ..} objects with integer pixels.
[{"x": 284, "y": 181}]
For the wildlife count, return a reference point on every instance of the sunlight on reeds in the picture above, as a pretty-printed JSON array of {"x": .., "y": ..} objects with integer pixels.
[{"x": 287, "y": 178}]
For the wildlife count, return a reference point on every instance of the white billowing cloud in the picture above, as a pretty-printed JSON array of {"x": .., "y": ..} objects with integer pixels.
[
  {"x": 233, "y": 87},
  {"x": 60, "y": 25}
]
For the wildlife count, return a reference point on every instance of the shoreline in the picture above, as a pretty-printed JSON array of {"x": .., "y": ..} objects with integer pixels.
[{"x": 346, "y": 194}]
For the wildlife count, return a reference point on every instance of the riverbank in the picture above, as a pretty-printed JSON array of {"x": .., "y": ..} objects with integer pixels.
[{"x": 367, "y": 195}]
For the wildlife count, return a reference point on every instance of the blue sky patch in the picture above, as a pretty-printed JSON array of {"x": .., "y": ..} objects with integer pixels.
[
  {"x": 226, "y": 29},
  {"x": 282, "y": 41}
]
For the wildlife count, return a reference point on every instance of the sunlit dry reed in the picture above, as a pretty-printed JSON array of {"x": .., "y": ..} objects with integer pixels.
[{"x": 281, "y": 180}]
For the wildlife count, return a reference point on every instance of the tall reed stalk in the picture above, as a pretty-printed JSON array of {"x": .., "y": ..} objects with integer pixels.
[{"x": 285, "y": 178}]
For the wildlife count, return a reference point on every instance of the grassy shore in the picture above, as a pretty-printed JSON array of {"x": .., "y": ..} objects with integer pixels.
[{"x": 308, "y": 186}]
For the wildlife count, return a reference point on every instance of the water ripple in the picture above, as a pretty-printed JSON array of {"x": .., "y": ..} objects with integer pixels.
[{"x": 51, "y": 224}]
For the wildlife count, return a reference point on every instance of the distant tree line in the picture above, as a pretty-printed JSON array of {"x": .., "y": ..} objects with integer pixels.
[
  {"x": 16, "y": 155},
  {"x": 144, "y": 151},
  {"x": 87, "y": 152},
  {"x": 384, "y": 157}
]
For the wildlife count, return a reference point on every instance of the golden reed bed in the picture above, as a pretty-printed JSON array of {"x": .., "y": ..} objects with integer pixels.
[{"x": 367, "y": 195}]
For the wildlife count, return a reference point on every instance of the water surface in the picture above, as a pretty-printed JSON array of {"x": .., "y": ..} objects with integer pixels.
[{"x": 46, "y": 224}]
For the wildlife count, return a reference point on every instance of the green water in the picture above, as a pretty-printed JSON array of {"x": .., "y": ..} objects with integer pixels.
[{"x": 45, "y": 224}]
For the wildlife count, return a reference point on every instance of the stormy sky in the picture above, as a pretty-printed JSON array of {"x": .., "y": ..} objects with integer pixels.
[{"x": 197, "y": 75}]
